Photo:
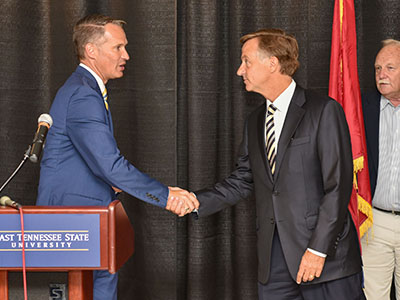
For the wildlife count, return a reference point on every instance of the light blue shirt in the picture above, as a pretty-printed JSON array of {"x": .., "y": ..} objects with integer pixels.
[{"x": 387, "y": 187}]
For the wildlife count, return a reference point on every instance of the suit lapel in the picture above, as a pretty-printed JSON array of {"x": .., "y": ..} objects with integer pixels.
[
  {"x": 93, "y": 84},
  {"x": 108, "y": 113},
  {"x": 371, "y": 112},
  {"x": 293, "y": 117},
  {"x": 110, "y": 124}
]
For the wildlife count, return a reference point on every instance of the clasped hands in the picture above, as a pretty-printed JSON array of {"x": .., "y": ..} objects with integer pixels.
[{"x": 181, "y": 202}]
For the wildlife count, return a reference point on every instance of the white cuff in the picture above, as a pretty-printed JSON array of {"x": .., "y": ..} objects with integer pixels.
[{"x": 317, "y": 253}]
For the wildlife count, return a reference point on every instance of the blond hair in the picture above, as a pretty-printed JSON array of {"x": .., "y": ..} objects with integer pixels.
[{"x": 90, "y": 29}]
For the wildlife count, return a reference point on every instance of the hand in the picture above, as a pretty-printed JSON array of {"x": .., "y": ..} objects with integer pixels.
[
  {"x": 181, "y": 202},
  {"x": 311, "y": 266}
]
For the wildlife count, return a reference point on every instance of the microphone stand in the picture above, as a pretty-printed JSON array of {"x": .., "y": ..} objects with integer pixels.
[
  {"x": 26, "y": 156},
  {"x": 19, "y": 208}
]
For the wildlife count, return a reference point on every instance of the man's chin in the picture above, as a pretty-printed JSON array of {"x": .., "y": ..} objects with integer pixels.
[
  {"x": 248, "y": 87},
  {"x": 384, "y": 89},
  {"x": 118, "y": 74}
]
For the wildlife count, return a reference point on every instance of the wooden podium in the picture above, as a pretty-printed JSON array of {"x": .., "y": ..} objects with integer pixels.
[{"x": 116, "y": 245}]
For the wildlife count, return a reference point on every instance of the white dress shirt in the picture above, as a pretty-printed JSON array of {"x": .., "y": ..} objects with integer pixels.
[{"x": 97, "y": 77}]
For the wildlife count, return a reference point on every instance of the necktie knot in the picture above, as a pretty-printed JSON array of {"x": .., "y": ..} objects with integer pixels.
[
  {"x": 271, "y": 109},
  {"x": 105, "y": 97}
]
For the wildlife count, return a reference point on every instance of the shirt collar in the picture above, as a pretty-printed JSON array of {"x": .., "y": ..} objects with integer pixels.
[
  {"x": 385, "y": 102},
  {"x": 283, "y": 100},
  {"x": 100, "y": 82}
]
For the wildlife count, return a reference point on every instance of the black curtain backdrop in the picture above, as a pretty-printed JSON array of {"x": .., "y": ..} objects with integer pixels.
[{"x": 178, "y": 115}]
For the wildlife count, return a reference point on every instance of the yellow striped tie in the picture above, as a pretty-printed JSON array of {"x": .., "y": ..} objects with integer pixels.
[
  {"x": 105, "y": 97},
  {"x": 270, "y": 137}
]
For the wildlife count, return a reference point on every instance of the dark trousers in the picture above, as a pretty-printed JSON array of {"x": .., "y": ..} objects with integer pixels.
[{"x": 281, "y": 286}]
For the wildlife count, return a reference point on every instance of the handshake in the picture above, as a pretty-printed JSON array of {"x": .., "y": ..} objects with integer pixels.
[{"x": 181, "y": 202}]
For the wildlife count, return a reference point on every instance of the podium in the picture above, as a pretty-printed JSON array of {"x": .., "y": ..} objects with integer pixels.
[{"x": 73, "y": 239}]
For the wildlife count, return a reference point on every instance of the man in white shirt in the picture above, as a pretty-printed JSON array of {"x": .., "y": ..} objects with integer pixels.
[
  {"x": 381, "y": 246},
  {"x": 296, "y": 156}
]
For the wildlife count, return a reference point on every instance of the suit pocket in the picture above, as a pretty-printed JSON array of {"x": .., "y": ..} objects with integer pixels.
[
  {"x": 311, "y": 221},
  {"x": 79, "y": 200},
  {"x": 299, "y": 141}
]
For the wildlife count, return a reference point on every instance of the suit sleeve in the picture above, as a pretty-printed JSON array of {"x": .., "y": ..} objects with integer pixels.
[
  {"x": 335, "y": 154},
  {"x": 231, "y": 190},
  {"x": 93, "y": 139}
]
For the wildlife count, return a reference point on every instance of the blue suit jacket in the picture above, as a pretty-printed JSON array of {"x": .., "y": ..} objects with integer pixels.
[
  {"x": 371, "y": 111},
  {"x": 81, "y": 160}
]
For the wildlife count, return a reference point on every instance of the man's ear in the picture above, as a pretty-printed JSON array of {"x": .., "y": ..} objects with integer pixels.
[
  {"x": 91, "y": 50},
  {"x": 273, "y": 64}
]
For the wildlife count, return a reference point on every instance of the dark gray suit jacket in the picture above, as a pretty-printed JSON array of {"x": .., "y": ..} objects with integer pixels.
[
  {"x": 371, "y": 109},
  {"x": 307, "y": 199}
]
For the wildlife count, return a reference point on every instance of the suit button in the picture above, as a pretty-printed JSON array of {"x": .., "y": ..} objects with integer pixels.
[
  {"x": 275, "y": 193},
  {"x": 272, "y": 220}
]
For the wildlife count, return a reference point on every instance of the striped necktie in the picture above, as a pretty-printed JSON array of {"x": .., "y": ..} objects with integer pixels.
[
  {"x": 270, "y": 137},
  {"x": 105, "y": 98}
]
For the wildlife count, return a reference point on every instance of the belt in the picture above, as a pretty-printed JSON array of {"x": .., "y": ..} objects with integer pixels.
[{"x": 397, "y": 213}]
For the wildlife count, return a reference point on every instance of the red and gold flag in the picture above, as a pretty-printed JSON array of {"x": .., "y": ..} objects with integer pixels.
[{"x": 344, "y": 87}]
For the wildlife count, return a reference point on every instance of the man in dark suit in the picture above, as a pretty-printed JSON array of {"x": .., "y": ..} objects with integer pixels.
[
  {"x": 296, "y": 157},
  {"x": 82, "y": 164},
  {"x": 381, "y": 247}
]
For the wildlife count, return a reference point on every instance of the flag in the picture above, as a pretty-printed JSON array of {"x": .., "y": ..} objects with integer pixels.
[{"x": 344, "y": 87}]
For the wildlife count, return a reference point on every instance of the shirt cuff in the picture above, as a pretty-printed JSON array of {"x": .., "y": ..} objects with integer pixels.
[{"x": 317, "y": 253}]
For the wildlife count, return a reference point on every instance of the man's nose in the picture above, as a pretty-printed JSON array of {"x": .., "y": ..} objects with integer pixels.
[
  {"x": 240, "y": 70},
  {"x": 125, "y": 55},
  {"x": 382, "y": 73}
]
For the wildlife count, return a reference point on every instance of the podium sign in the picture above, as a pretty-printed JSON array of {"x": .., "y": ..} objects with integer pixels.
[
  {"x": 73, "y": 239},
  {"x": 62, "y": 240}
]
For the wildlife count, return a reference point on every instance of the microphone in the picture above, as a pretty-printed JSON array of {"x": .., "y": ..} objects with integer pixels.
[
  {"x": 6, "y": 201},
  {"x": 44, "y": 123}
]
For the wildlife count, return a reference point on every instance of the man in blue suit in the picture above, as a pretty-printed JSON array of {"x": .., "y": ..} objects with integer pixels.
[{"x": 82, "y": 164}]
